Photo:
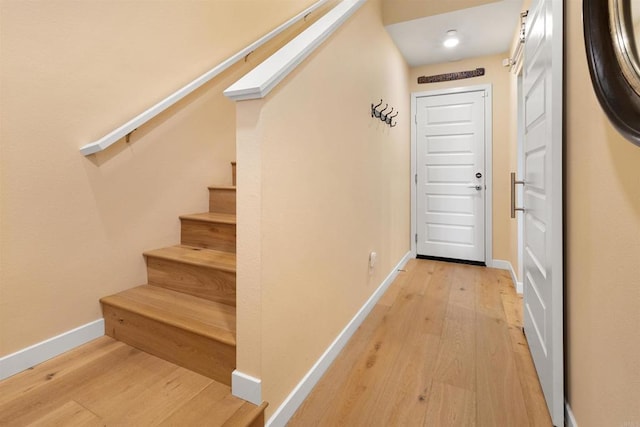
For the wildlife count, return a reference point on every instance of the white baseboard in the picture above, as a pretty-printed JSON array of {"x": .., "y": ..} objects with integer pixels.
[
  {"x": 246, "y": 387},
  {"x": 286, "y": 410},
  {"x": 506, "y": 265},
  {"x": 45, "y": 350},
  {"x": 569, "y": 418}
]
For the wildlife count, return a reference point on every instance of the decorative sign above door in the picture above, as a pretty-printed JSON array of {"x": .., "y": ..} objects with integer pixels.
[{"x": 451, "y": 76}]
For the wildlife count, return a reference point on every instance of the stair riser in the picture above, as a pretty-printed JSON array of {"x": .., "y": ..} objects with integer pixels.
[
  {"x": 202, "y": 282},
  {"x": 208, "y": 357},
  {"x": 208, "y": 235},
  {"x": 222, "y": 200}
]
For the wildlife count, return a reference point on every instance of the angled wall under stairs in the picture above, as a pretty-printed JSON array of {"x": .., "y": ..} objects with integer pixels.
[{"x": 186, "y": 312}]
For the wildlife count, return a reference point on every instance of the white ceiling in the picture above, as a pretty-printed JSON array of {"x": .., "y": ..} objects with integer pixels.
[{"x": 483, "y": 30}]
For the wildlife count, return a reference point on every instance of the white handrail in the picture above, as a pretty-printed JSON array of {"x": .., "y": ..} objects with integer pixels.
[
  {"x": 263, "y": 78},
  {"x": 158, "y": 108}
]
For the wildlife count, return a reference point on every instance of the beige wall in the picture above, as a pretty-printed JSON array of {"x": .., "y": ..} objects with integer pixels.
[
  {"x": 602, "y": 201},
  {"x": 504, "y": 229},
  {"x": 322, "y": 185},
  {"x": 72, "y": 229}
]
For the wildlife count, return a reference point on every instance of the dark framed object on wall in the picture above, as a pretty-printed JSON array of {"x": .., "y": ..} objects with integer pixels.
[{"x": 614, "y": 62}]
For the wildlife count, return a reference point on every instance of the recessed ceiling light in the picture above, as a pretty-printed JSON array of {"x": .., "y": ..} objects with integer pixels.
[{"x": 452, "y": 39}]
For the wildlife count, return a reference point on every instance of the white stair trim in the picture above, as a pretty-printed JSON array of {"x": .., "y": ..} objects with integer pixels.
[
  {"x": 291, "y": 404},
  {"x": 266, "y": 76},
  {"x": 246, "y": 387},
  {"x": 45, "y": 350}
]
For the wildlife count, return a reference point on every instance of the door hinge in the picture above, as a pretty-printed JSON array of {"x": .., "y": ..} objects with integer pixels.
[
  {"x": 415, "y": 178},
  {"x": 415, "y": 118},
  {"x": 416, "y": 238}
]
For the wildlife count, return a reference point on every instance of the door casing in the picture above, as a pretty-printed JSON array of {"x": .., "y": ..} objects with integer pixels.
[{"x": 488, "y": 161}]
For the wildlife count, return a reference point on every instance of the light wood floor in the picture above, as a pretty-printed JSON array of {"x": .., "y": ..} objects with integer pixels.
[
  {"x": 443, "y": 347},
  {"x": 108, "y": 383}
]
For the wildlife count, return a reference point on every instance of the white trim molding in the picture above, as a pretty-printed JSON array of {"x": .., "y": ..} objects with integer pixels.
[
  {"x": 569, "y": 418},
  {"x": 45, "y": 350},
  {"x": 266, "y": 76},
  {"x": 246, "y": 387},
  {"x": 286, "y": 410},
  {"x": 506, "y": 265},
  {"x": 488, "y": 161}
]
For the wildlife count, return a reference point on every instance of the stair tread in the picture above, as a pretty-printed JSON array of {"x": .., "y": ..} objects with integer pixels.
[
  {"x": 200, "y": 316},
  {"x": 246, "y": 415},
  {"x": 222, "y": 218},
  {"x": 222, "y": 187},
  {"x": 211, "y": 258}
]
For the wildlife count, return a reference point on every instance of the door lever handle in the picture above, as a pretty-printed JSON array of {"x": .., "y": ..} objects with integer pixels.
[
  {"x": 513, "y": 195},
  {"x": 476, "y": 186}
]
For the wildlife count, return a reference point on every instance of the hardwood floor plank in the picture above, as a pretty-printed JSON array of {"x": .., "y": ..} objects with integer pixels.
[
  {"x": 512, "y": 306},
  {"x": 450, "y": 406},
  {"x": 27, "y": 407},
  {"x": 440, "y": 353},
  {"x": 463, "y": 286},
  {"x": 371, "y": 372},
  {"x": 118, "y": 386},
  {"x": 499, "y": 396},
  {"x": 434, "y": 307},
  {"x": 456, "y": 359},
  {"x": 367, "y": 374},
  {"x": 400, "y": 282},
  {"x": 488, "y": 299},
  {"x": 324, "y": 395},
  {"x": 70, "y": 414},
  {"x": 54, "y": 370},
  {"x": 537, "y": 411},
  {"x": 214, "y": 404},
  {"x": 118, "y": 400},
  {"x": 407, "y": 382},
  {"x": 403, "y": 401}
]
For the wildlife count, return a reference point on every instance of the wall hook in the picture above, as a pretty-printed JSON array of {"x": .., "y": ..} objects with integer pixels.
[
  {"x": 374, "y": 111},
  {"x": 383, "y": 117}
]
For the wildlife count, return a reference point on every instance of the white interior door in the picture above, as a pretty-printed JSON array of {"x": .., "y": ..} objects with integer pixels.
[
  {"x": 450, "y": 138},
  {"x": 543, "y": 257}
]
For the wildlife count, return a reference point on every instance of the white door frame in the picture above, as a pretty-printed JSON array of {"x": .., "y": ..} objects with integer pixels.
[{"x": 488, "y": 163}]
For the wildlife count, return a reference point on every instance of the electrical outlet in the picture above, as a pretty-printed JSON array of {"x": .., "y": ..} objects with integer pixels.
[{"x": 372, "y": 259}]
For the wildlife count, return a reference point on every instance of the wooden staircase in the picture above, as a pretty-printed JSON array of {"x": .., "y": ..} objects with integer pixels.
[{"x": 186, "y": 313}]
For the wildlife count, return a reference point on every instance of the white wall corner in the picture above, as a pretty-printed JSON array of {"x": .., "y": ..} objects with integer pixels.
[
  {"x": 506, "y": 265},
  {"x": 293, "y": 401},
  {"x": 246, "y": 387},
  {"x": 570, "y": 419},
  {"x": 45, "y": 350}
]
